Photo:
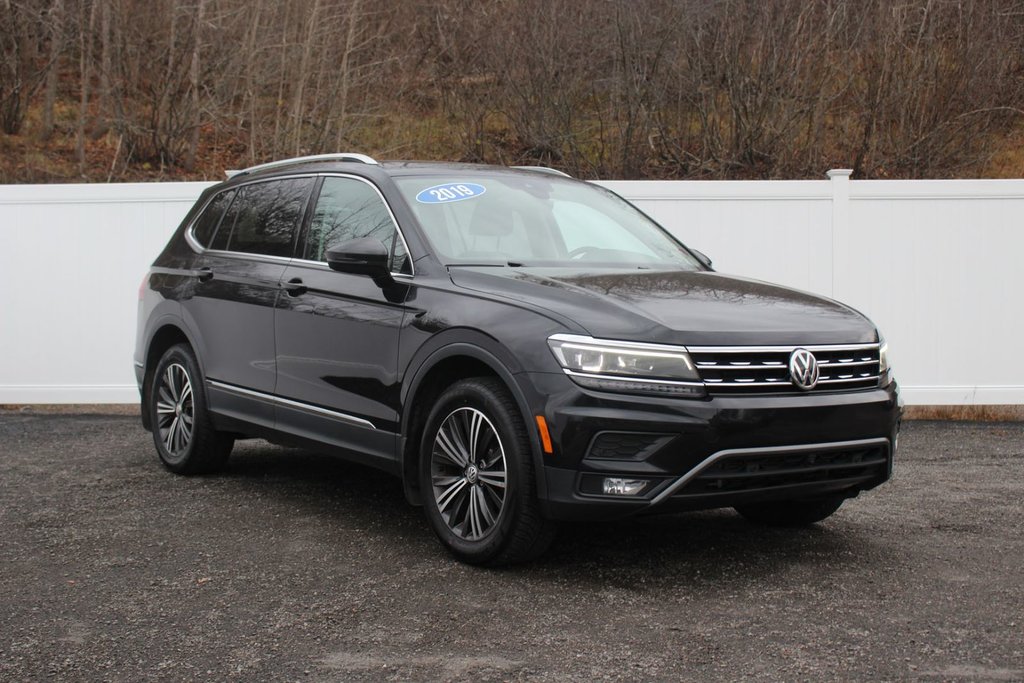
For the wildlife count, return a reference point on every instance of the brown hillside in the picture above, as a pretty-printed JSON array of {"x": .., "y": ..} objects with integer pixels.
[{"x": 116, "y": 90}]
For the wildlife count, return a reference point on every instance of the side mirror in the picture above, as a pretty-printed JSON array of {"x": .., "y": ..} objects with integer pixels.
[
  {"x": 361, "y": 256},
  {"x": 702, "y": 257}
]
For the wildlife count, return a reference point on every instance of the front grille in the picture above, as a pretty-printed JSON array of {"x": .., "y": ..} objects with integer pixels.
[
  {"x": 748, "y": 472},
  {"x": 765, "y": 370}
]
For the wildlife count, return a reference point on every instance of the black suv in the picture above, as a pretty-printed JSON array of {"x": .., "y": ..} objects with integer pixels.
[{"x": 518, "y": 346}]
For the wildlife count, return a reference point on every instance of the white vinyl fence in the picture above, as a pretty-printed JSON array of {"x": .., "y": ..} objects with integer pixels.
[{"x": 937, "y": 264}]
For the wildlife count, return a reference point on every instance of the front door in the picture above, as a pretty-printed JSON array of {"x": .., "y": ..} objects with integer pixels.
[{"x": 337, "y": 333}]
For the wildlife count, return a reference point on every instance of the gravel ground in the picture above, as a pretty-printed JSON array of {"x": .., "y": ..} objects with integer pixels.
[{"x": 293, "y": 566}]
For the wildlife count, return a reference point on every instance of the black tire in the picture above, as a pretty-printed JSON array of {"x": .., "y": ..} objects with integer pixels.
[
  {"x": 517, "y": 532},
  {"x": 195, "y": 448},
  {"x": 791, "y": 513}
]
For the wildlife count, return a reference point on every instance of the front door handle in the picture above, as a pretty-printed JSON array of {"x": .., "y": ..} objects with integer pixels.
[
  {"x": 294, "y": 287},
  {"x": 204, "y": 274}
]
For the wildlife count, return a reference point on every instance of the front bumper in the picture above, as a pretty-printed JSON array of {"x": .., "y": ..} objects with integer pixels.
[{"x": 715, "y": 452}]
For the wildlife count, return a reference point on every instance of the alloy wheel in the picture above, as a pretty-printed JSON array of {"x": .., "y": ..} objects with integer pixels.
[
  {"x": 175, "y": 409},
  {"x": 468, "y": 473}
]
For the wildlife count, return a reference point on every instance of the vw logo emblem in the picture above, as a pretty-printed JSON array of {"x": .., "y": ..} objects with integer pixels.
[{"x": 803, "y": 369}]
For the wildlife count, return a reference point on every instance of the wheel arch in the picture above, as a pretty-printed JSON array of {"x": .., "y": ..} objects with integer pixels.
[
  {"x": 166, "y": 333},
  {"x": 437, "y": 371}
]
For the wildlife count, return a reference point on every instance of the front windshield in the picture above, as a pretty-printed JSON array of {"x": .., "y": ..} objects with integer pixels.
[{"x": 535, "y": 220}]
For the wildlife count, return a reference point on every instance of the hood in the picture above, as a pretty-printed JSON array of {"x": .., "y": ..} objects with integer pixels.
[{"x": 675, "y": 307}]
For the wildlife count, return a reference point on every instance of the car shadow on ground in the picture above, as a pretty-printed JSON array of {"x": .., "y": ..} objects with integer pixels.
[{"x": 712, "y": 546}]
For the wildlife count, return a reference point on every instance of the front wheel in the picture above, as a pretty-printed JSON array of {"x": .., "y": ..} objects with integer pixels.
[
  {"x": 477, "y": 476},
  {"x": 183, "y": 432},
  {"x": 791, "y": 513}
]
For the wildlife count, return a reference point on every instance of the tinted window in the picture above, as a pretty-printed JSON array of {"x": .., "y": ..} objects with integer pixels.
[
  {"x": 400, "y": 261},
  {"x": 207, "y": 223},
  {"x": 348, "y": 209},
  {"x": 264, "y": 217}
]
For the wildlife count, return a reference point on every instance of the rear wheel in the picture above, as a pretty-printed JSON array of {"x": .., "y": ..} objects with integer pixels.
[
  {"x": 183, "y": 432},
  {"x": 477, "y": 476},
  {"x": 791, "y": 513}
]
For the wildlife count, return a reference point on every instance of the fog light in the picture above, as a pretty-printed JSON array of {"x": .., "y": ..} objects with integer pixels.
[{"x": 614, "y": 486}]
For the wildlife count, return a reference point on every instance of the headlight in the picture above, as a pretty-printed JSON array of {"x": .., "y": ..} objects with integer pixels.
[
  {"x": 629, "y": 367},
  {"x": 884, "y": 369}
]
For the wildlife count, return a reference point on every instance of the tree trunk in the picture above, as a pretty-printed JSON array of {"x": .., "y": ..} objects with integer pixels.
[
  {"x": 163, "y": 114},
  {"x": 56, "y": 21},
  {"x": 346, "y": 68},
  {"x": 298, "y": 101},
  {"x": 100, "y": 125},
  {"x": 86, "y": 30},
  {"x": 250, "y": 84},
  {"x": 193, "y": 78},
  {"x": 282, "y": 77}
]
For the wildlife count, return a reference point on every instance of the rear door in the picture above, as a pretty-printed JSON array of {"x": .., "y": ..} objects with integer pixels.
[
  {"x": 337, "y": 333},
  {"x": 239, "y": 275}
]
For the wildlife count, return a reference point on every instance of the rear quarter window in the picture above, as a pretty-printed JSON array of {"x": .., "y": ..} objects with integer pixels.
[
  {"x": 264, "y": 217},
  {"x": 206, "y": 225}
]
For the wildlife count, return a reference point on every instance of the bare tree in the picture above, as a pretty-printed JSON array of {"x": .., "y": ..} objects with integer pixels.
[
  {"x": 85, "y": 68},
  {"x": 610, "y": 88},
  {"x": 55, "y": 21},
  {"x": 193, "y": 86},
  {"x": 22, "y": 33}
]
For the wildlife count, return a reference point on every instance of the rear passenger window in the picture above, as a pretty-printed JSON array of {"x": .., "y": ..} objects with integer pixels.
[
  {"x": 264, "y": 217},
  {"x": 206, "y": 224},
  {"x": 348, "y": 209}
]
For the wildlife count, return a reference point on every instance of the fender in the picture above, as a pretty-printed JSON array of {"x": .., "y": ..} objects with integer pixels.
[
  {"x": 444, "y": 345},
  {"x": 487, "y": 350},
  {"x": 168, "y": 318},
  {"x": 172, "y": 318}
]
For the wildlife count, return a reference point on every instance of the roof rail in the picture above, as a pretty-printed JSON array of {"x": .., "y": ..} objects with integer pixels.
[
  {"x": 335, "y": 156},
  {"x": 543, "y": 169}
]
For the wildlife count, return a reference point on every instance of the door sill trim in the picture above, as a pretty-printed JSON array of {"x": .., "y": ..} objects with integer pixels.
[{"x": 288, "y": 403}]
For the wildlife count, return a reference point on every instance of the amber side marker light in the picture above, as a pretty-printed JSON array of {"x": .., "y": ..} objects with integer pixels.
[{"x": 545, "y": 437}]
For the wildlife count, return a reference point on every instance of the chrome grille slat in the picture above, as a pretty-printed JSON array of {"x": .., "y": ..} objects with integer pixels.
[
  {"x": 846, "y": 364},
  {"x": 813, "y": 348},
  {"x": 751, "y": 383},
  {"x": 765, "y": 366},
  {"x": 742, "y": 370},
  {"x": 873, "y": 378}
]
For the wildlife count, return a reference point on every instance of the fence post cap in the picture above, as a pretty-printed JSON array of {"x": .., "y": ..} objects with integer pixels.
[{"x": 839, "y": 172}]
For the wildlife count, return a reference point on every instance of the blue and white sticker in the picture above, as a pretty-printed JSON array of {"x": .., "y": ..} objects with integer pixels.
[{"x": 450, "y": 192}]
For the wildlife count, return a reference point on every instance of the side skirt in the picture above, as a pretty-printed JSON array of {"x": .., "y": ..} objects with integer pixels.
[{"x": 293, "y": 423}]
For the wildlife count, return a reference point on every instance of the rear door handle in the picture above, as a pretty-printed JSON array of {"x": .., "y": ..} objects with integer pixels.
[
  {"x": 204, "y": 274},
  {"x": 294, "y": 287}
]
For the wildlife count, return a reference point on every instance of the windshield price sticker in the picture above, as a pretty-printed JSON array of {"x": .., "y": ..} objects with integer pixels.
[{"x": 451, "y": 192}]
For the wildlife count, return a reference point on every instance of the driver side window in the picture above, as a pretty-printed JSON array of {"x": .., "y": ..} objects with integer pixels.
[{"x": 349, "y": 209}]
